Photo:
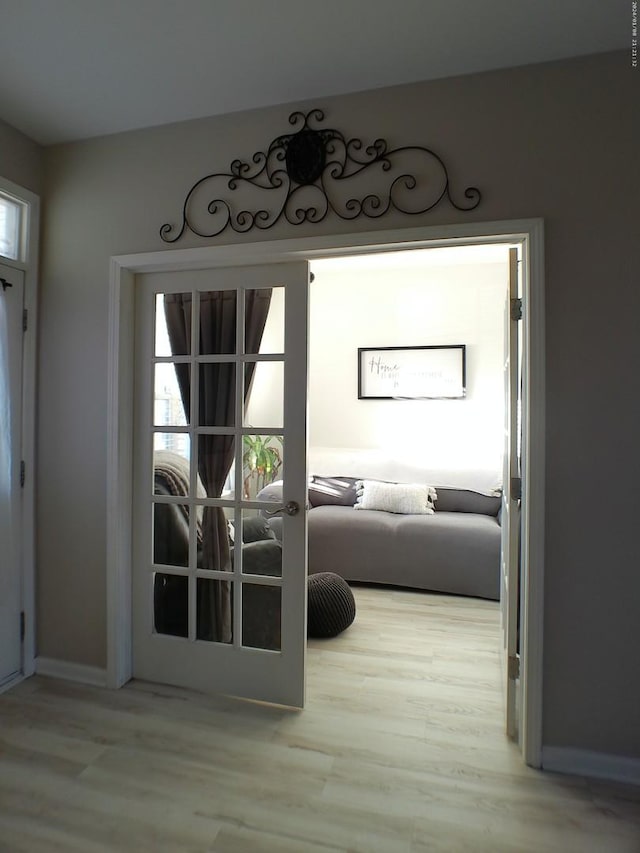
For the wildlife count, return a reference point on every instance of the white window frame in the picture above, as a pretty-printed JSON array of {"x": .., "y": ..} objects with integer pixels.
[{"x": 22, "y": 214}]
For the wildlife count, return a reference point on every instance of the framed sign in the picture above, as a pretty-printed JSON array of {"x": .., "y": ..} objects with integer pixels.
[{"x": 412, "y": 373}]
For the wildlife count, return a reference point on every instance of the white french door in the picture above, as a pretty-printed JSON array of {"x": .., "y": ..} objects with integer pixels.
[
  {"x": 219, "y": 604},
  {"x": 511, "y": 497},
  {"x": 11, "y": 305}
]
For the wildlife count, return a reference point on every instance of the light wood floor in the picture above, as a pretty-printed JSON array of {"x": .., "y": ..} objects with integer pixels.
[{"x": 400, "y": 749}]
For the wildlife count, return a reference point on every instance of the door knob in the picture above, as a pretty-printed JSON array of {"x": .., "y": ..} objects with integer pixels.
[
  {"x": 5, "y": 284},
  {"x": 291, "y": 508}
]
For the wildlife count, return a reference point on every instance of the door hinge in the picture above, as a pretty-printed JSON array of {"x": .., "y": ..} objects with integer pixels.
[
  {"x": 22, "y": 626},
  {"x": 513, "y": 667},
  {"x": 515, "y": 487},
  {"x": 22, "y": 473},
  {"x": 516, "y": 309},
  {"x": 25, "y": 319}
]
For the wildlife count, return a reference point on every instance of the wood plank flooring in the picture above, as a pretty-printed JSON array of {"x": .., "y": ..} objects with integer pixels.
[{"x": 400, "y": 750}]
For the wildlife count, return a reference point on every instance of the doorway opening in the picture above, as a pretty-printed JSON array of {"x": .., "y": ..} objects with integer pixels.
[
  {"x": 528, "y": 234},
  {"x": 415, "y": 320}
]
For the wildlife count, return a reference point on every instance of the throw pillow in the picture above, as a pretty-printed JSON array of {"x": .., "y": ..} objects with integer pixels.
[
  {"x": 339, "y": 491},
  {"x": 403, "y": 498},
  {"x": 465, "y": 500}
]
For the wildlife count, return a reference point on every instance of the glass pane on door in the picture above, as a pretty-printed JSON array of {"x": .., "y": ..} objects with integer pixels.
[
  {"x": 178, "y": 443},
  {"x": 261, "y": 547},
  {"x": 214, "y": 610},
  {"x": 171, "y": 604},
  {"x": 169, "y": 407},
  {"x": 262, "y": 463},
  {"x": 218, "y": 322},
  {"x": 217, "y": 394},
  {"x": 264, "y": 398},
  {"x": 216, "y": 536},
  {"x": 173, "y": 324},
  {"x": 171, "y": 464},
  {"x": 171, "y": 534},
  {"x": 264, "y": 320},
  {"x": 261, "y": 616}
]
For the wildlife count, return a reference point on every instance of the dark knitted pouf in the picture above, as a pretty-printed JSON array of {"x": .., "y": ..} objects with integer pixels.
[{"x": 332, "y": 607}]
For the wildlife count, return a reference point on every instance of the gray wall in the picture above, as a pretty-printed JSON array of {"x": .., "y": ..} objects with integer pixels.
[
  {"x": 553, "y": 141},
  {"x": 21, "y": 159}
]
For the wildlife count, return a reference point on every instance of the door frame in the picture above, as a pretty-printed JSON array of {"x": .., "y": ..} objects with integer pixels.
[
  {"x": 29, "y": 266},
  {"x": 123, "y": 269}
]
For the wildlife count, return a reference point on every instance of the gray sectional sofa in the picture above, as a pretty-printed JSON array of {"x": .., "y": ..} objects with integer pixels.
[{"x": 454, "y": 550}]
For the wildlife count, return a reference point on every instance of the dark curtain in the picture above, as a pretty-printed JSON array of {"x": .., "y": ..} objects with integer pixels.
[{"x": 216, "y": 398}]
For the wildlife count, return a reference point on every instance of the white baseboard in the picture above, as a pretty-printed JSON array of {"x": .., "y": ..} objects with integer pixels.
[
  {"x": 598, "y": 765},
  {"x": 11, "y": 683},
  {"x": 93, "y": 675}
]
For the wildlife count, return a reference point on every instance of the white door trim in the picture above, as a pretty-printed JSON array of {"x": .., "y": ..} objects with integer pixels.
[
  {"x": 120, "y": 417},
  {"x": 29, "y": 356}
]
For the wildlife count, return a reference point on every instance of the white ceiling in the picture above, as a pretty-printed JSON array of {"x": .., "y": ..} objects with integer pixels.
[{"x": 71, "y": 69}]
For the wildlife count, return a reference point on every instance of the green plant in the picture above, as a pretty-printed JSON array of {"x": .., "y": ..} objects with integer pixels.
[{"x": 261, "y": 462}]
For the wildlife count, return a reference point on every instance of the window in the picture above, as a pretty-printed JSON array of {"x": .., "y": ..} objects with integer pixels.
[{"x": 11, "y": 224}]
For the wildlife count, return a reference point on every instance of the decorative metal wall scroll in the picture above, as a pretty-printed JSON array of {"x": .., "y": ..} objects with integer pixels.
[{"x": 305, "y": 174}]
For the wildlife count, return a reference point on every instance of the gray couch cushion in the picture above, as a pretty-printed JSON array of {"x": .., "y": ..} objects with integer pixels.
[
  {"x": 448, "y": 551},
  {"x": 455, "y": 551}
]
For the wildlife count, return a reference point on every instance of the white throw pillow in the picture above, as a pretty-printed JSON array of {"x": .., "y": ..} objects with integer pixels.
[{"x": 404, "y": 498}]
